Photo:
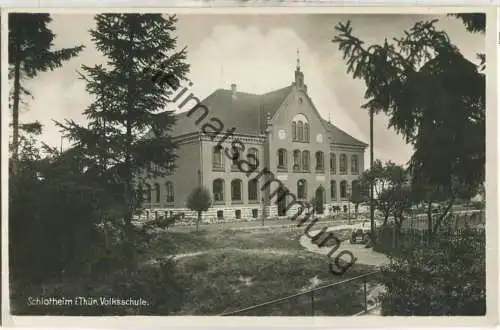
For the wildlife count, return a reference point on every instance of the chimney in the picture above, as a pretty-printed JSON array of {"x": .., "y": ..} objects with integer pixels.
[{"x": 233, "y": 89}]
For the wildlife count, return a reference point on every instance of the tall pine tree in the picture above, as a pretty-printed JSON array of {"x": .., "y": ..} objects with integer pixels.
[
  {"x": 128, "y": 129},
  {"x": 30, "y": 52}
]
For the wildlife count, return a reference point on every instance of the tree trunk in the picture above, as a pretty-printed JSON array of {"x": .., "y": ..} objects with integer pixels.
[
  {"x": 198, "y": 221},
  {"x": 128, "y": 156},
  {"x": 386, "y": 218},
  {"x": 15, "y": 111}
]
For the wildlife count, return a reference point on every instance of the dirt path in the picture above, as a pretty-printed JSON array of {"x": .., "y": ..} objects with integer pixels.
[{"x": 365, "y": 256}]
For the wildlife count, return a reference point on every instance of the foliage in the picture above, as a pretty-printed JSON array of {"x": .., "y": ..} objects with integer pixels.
[
  {"x": 54, "y": 212},
  {"x": 127, "y": 101},
  {"x": 359, "y": 194},
  {"x": 446, "y": 278},
  {"x": 30, "y": 52},
  {"x": 433, "y": 96},
  {"x": 474, "y": 22},
  {"x": 386, "y": 178},
  {"x": 199, "y": 200}
]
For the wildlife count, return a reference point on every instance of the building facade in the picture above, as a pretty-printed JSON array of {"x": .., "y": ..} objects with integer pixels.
[{"x": 248, "y": 149}]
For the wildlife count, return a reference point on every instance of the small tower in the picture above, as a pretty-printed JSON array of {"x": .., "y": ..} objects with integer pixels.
[{"x": 299, "y": 76}]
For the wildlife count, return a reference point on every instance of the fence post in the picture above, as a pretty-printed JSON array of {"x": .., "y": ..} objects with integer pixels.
[
  {"x": 364, "y": 290},
  {"x": 312, "y": 302}
]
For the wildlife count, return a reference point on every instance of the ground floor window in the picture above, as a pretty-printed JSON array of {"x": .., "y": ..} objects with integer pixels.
[
  {"x": 220, "y": 214},
  {"x": 255, "y": 213},
  {"x": 237, "y": 214}
]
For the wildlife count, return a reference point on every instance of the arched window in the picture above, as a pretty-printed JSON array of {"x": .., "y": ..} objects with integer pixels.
[
  {"x": 218, "y": 190},
  {"x": 296, "y": 160},
  {"x": 343, "y": 164},
  {"x": 354, "y": 164},
  {"x": 147, "y": 192},
  {"x": 255, "y": 155},
  {"x": 169, "y": 192},
  {"x": 253, "y": 192},
  {"x": 333, "y": 190},
  {"x": 320, "y": 161},
  {"x": 294, "y": 130},
  {"x": 300, "y": 133},
  {"x": 306, "y": 132},
  {"x": 217, "y": 158},
  {"x": 282, "y": 158},
  {"x": 157, "y": 193},
  {"x": 343, "y": 189},
  {"x": 302, "y": 189},
  {"x": 333, "y": 163},
  {"x": 236, "y": 190},
  {"x": 306, "y": 160}
]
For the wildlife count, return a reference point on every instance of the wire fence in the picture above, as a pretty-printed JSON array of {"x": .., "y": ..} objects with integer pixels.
[{"x": 327, "y": 300}]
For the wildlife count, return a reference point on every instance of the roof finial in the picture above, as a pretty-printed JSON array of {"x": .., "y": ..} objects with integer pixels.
[{"x": 298, "y": 60}]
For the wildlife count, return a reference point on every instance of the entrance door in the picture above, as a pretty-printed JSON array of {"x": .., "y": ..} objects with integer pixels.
[
  {"x": 319, "y": 200},
  {"x": 281, "y": 202}
]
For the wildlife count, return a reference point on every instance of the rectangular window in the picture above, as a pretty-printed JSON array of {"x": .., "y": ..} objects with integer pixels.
[{"x": 255, "y": 213}]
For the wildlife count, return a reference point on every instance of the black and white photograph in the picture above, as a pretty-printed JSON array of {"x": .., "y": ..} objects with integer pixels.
[{"x": 194, "y": 163}]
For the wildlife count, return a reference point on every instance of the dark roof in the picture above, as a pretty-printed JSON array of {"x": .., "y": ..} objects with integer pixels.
[
  {"x": 338, "y": 136},
  {"x": 247, "y": 113}
]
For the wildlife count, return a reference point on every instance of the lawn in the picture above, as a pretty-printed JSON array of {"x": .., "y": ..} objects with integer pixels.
[{"x": 240, "y": 268}]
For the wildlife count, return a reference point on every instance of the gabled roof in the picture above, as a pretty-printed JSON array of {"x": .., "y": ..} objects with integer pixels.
[{"x": 247, "y": 113}]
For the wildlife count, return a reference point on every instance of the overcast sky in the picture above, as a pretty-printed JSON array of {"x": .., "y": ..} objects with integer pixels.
[{"x": 258, "y": 53}]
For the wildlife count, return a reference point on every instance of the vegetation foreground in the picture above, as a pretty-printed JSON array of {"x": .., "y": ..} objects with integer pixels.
[{"x": 222, "y": 272}]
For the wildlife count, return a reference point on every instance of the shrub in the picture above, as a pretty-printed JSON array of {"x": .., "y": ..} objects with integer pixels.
[{"x": 446, "y": 277}]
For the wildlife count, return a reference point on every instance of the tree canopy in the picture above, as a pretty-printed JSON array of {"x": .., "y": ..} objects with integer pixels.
[{"x": 433, "y": 96}]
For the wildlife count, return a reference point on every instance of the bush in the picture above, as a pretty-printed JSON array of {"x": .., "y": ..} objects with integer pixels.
[{"x": 447, "y": 277}]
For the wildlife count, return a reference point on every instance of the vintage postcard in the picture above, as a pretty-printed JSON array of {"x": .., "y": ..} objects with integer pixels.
[{"x": 244, "y": 166}]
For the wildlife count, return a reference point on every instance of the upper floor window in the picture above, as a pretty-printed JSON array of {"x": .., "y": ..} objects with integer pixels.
[
  {"x": 282, "y": 158},
  {"x": 169, "y": 192},
  {"x": 354, "y": 164},
  {"x": 320, "y": 161},
  {"x": 300, "y": 131},
  {"x": 333, "y": 163},
  {"x": 306, "y": 132},
  {"x": 218, "y": 190},
  {"x": 255, "y": 155},
  {"x": 300, "y": 128},
  {"x": 296, "y": 160},
  {"x": 306, "y": 156},
  {"x": 217, "y": 158},
  {"x": 343, "y": 164}
]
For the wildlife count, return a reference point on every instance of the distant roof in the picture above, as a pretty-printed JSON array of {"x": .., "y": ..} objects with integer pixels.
[{"x": 247, "y": 113}]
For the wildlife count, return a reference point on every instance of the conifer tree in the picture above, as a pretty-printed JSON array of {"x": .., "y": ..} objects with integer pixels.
[
  {"x": 127, "y": 135},
  {"x": 30, "y": 52}
]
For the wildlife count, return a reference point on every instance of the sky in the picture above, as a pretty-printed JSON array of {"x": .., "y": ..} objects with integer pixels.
[{"x": 256, "y": 52}]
